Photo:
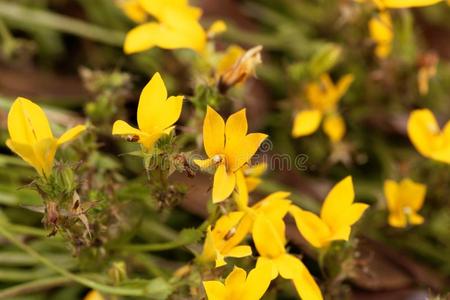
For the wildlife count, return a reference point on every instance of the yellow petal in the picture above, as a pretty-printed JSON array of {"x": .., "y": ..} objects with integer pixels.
[
  {"x": 412, "y": 194},
  {"x": 288, "y": 266},
  {"x": 235, "y": 282},
  {"x": 213, "y": 133},
  {"x": 306, "y": 286},
  {"x": 216, "y": 28},
  {"x": 229, "y": 59},
  {"x": 312, "y": 228},
  {"x": 338, "y": 200},
  {"x": 408, "y": 3},
  {"x": 242, "y": 152},
  {"x": 215, "y": 290},
  {"x": 415, "y": 219},
  {"x": 235, "y": 129},
  {"x": 341, "y": 233},
  {"x": 306, "y": 122},
  {"x": 391, "y": 192},
  {"x": 123, "y": 128},
  {"x": 239, "y": 251},
  {"x": 334, "y": 127},
  {"x": 223, "y": 184},
  {"x": 252, "y": 183},
  {"x": 26, "y": 152},
  {"x": 156, "y": 112},
  {"x": 343, "y": 85},
  {"x": 271, "y": 266},
  {"x": 133, "y": 10},
  {"x": 94, "y": 295},
  {"x": 354, "y": 213},
  {"x": 422, "y": 130},
  {"x": 268, "y": 236},
  {"x": 258, "y": 281},
  {"x": 225, "y": 223},
  {"x": 71, "y": 134},
  {"x": 241, "y": 195},
  {"x": 209, "y": 248},
  {"x": 27, "y": 122},
  {"x": 205, "y": 163},
  {"x": 397, "y": 219}
]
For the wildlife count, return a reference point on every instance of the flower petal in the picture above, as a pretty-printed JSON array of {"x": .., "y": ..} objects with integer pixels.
[
  {"x": 71, "y": 134},
  {"x": 27, "y": 122},
  {"x": 215, "y": 290},
  {"x": 306, "y": 122},
  {"x": 338, "y": 199},
  {"x": 223, "y": 184},
  {"x": 288, "y": 266},
  {"x": 235, "y": 129},
  {"x": 235, "y": 282},
  {"x": 408, "y": 3},
  {"x": 422, "y": 130},
  {"x": 242, "y": 152},
  {"x": 239, "y": 251},
  {"x": 213, "y": 133},
  {"x": 334, "y": 127},
  {"x": 306, "y": 286},
  {"x": 391, "y": 192},
  {"x": 412, "y": 194},
  {"x": 268, "y": 236},
  {"x": 26, "y": 152},
  {"x": 258, "y": 281},
  {"x": 312, "y": 228},
  {"x": 123, "y": 128}
]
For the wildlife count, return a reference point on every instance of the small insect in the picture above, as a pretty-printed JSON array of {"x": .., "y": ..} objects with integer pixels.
[{"x": 133, "y": 138}]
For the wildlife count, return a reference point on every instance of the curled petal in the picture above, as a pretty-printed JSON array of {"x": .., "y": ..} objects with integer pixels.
[{"x": 71, "y": 134}]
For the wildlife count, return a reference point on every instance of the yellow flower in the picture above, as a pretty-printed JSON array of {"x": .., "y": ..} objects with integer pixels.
[
  {"x": 228, "y": 147},
  {"x": 269, "y": 239},
  {"x": 133, "y": 10},
  {"x": 239, "y": 286},
  {"x": 337, "y": 216},
  {"x": 31, "y": 137},
  {"x": 94, "y": 295},
  {"x": 323, "y": 97},
  {"x": 156, "y": 114},
  {"x": 406, "y": 3},
  {"x": 176, "y": 26},
  {"x": 404, "y": 199},
  {"x": 427, "y": 137},
  {"x": 381, "y": 32},
  {"x": 220, "y": 242}
]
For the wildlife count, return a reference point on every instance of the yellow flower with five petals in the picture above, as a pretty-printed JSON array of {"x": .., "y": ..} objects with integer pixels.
[
  {"x": 323, "y": 97},
  {"x": 239, "y": 286},
  {"x": 31, "y": 136},
  {"x": 156, "y": 114},
  {"x": 228, "y": 147},
  {"x": 337, "y": 215},
  {"x": 427, "y": 137},
  {"x": 404, "y": 199}
]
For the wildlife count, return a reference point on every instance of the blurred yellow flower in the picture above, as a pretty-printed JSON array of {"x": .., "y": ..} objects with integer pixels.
[
  {"x": 239, "y": 286},
  {"x": 404, "y": 199},
  {"x": 228, "y": 147},
  {"x": 31, "y": 137},
  {"x": 177, "y": 26},
  {"x": 323, "y": 97},
  {"x": 381, "y": 32},
  {"x": 337, "y": 216},
  {"x": 94, "y": 295},
  {"x": 221, "y": 243},
  {"x": 427, "y": 70},
  {"x": 252, "y": 175},
  {"x": 406, "y": 3},
  {"x": 156, "y": 114},
  {"x": 427, "y": 137},
  {"x": 269, "y": 238}
]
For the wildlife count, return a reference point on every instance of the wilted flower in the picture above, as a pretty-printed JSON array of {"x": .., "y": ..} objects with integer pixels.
[
  {"x": 323, "y": 97},
  {"x": 228, "y": 147},
  {"x": 236, "y": 66},
  {"x": 427, "y": 70},
  {"x": 239, "y": 286},
  {"x": 337, "y": 216},
  {"x": 156, "y": 114},
  {"x": 427, "y": 137},
  {"x": 31, "y": 137},
  {"x": 404, "y": 199},
  {"x": 269, "y": 238},
  {"x": 220, "y": 242}
]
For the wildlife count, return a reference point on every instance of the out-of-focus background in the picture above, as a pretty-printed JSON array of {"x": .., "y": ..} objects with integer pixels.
[{"x": 67, "y": 56}]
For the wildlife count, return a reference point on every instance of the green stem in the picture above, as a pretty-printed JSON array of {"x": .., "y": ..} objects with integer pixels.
[
  {"x": 19, "y": 13},
  {"x": 33, "y": 286},
  {"x": 81, "y": 280}
]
